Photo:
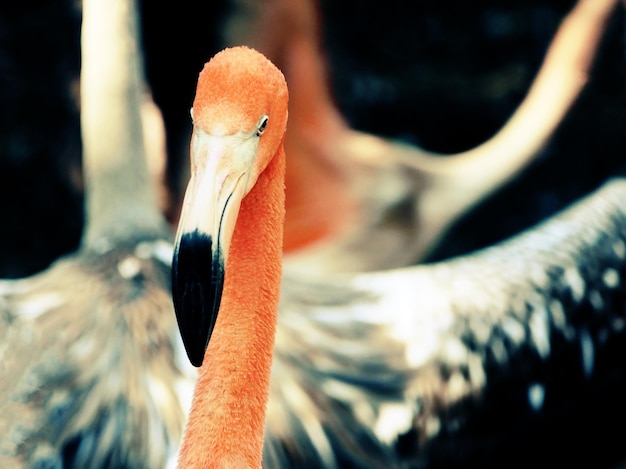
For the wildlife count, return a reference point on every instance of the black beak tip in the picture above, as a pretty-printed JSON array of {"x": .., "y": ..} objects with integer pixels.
[
  {"x": 197, "y": 283},
  {"x": 196, "y": 356}
]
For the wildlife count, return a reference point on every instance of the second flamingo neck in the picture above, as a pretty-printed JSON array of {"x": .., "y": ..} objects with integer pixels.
[{"x": 319, "y": 202}]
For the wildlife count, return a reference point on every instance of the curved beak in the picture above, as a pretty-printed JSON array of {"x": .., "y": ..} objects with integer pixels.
[{"x": 205, "y": 229}]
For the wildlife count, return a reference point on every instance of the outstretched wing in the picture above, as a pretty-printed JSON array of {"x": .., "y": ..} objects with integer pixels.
[{"x": 511, "y": 352}]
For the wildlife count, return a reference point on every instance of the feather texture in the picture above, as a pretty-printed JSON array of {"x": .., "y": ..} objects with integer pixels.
[{"x": 508, "y": 354}]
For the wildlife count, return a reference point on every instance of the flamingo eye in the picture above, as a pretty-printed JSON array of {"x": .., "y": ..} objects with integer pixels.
[{"x": 261, "y": 125}]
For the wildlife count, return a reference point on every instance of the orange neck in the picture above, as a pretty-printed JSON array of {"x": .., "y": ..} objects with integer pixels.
[
  {"x": 318, "y": 200},
  {"x": 319, "y": 203},
  {"x": 227, "y": 417}
]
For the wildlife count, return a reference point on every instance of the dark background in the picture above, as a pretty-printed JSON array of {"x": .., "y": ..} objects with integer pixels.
[{"x": 442, "y": 74}]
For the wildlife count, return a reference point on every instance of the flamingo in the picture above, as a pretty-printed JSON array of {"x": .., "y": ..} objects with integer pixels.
[
  {"x": 485, "y": 360},
  {"x": 89, "y": 375},
  {"x": 348, "y": 190}
]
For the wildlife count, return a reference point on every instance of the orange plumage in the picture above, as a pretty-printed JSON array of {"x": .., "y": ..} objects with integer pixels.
[{"x": 228, "y": 411}]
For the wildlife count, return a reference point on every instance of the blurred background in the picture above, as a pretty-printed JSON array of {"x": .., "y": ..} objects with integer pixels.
[{"x": 441, "y": 75}]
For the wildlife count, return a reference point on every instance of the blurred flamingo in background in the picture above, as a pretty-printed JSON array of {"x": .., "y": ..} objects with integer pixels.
[
  {"x": 496, "y": 358},
  {"x": 348, "y": 190},
  {"x": 89, "y": 375}
]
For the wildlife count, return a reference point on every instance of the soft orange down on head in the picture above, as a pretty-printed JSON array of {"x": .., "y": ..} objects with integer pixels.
[
  {"x": 230, "y": 98},
  {"x": 235, "y": 89}
]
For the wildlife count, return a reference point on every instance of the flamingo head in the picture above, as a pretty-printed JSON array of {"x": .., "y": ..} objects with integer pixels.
[{"x": 239, "y": 119}]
